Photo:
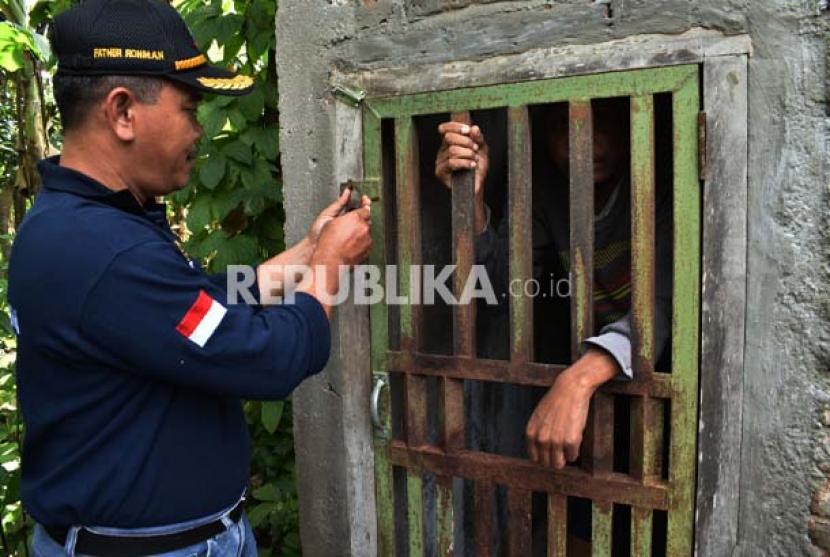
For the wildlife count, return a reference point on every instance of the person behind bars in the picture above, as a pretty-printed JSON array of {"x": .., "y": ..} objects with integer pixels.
[
  {"x": 132, "y": 360},
  {"x": 554, "y": 431}
]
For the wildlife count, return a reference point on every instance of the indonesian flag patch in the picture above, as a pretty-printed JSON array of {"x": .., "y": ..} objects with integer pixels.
[{"x": 202, "y": 319}]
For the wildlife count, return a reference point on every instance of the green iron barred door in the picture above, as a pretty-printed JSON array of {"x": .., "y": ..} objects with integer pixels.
[{"x": 646, "y": 489}]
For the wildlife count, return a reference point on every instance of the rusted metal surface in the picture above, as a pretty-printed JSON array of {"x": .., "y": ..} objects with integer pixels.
[
  {"x": 601, "y": 522},
  {"x": 598, "y": 446},
  {"x": 641, "y": 530},
  {"x": 415, "y": 402},
  {"x": 500, "y": 371},
  {"x": 463, "y": 217},
  {"x": 521, "y": 231},
  {"x": 581, "y": 135},
  {"x": 415, "y": 513},
  {"x": 484, "y": 509},
  {"x": 646, "y": 413},
  {"x": 642, "y": 235},
  {"x": 642, "y": 488},
  {"x": 685, "y": 318},
  {"x": 614, "y": 84},
  {"x": 646, "y": 437},
  {"x": 557, "y": 525},
  {"x": 519, "y": 522},
  {"x": 407, "y": 182},
  {"x": 379, "y": 321},
  {"x": 516, "y": 472},
  {"x": 445, "y": 532}
]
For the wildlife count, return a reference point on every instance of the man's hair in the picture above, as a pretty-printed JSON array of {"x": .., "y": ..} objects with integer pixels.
[{"x": 75, "y": 95}]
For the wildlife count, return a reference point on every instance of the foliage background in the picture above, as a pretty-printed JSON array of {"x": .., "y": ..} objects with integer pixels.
[{"x": 230, "y": 213}]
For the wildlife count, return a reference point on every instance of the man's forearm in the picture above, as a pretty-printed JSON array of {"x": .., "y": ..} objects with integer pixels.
[
  {"x": 271, "y": 273},
  {"x": 595, "y": 368}
]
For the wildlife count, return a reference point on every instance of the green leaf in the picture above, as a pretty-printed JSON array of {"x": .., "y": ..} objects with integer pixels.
[
  {"x": 271, "y": 415},
  {"x": 212, "y": 170},
  {"x": 199, "y": 214},
  {"x": 258, "y": 513},
  {"x": 268, "y": 143},
  {"x": 238, "y": 250},
  {"x": 268, "y": 492},
  {"x": 225, "y": 201},
  {"x": 238, "y": 151},
  {"x": 212, "y": 117},
  {"x": 252, "y": 104},
  {"x": 259, "y": 178},
  {"x": 41, "y": 47},
  {"x": 238, "y": 120},
  {"x": 231, "y": 48},
  {"x": 229, "y": 26},
  {"x": 11, "y": 59},
  {"x": 260, "y": 44}
]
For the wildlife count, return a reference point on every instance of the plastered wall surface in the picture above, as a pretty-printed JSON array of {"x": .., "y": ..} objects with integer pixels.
[{"x": 786, "y": 413}]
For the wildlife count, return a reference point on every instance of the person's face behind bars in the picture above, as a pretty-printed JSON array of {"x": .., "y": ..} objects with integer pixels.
[{"x": 610, "y": 139}]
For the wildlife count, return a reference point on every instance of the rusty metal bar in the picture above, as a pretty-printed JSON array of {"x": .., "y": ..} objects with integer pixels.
[
  {"x": 378, "y": 319},
  {"x": 685, "y": 318},
  {"x": 598, "y": 445},
  {"x": 646, "y": 413},
  {"x": 601, "y": 522},
  {"x": 581, "y": 222},
  {"x": 557, "y": 525},
  {"x": 464, "y": 328},
  {"x": 521, "y": 231},
  {"x": 642, "y": 235},
  {"x": 415, "y": 409},
  {"x": 415, "y": 513},
  {"x": 463, "y": 218},
  {"x": 515, "y": 472},
  {"x": 445, "y": 531},
  {"x": 598, "y": 452},
  {"x": 535, "y": 374},
  {"x": 646, "y": 437},
  {"x": 407, "y": 186},
  {"x": 484, "y": 510},
  {"x": 641, "y": 528},
  {"x": 519, "y": 522},
  {"x": 533, "y": 91},
  {"x": 409, "y": 254}
]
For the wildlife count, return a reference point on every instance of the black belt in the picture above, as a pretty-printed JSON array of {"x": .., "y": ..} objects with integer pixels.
[{"x": 101, "y": 545}]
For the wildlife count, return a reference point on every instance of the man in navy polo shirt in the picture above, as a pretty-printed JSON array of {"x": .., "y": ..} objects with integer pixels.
[{"x": 131, "y": 361}]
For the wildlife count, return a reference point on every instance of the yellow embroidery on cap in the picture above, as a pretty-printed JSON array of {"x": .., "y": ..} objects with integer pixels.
[
  {"x": 188, "y": 63},
  {"x": 139, "y": 53},
  {"x": 107, "y": 53},
  {"x": 224, "y": 83},
  {"x": 144, "y": 54}
]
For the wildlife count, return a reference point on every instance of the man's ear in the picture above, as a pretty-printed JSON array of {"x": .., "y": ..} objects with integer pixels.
[{"x": 120, "y": 111}]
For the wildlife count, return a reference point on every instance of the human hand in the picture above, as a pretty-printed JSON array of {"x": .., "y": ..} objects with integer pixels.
[
  {"x": 327, "y": 215},
  {"x": 554, "y": 432},
  {"x": 462, "y": 148},
  {"x": 344, "y": 240}
]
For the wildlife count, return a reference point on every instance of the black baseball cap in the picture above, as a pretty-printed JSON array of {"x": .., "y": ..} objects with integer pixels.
[{"x": 137, "y": 37}]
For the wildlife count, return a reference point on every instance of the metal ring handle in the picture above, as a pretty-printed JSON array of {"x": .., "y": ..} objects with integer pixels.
[{"x": 380, "y": 383}]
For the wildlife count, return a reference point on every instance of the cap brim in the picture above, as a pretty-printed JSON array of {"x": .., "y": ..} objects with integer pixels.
[{"x": 211, "y": 79}]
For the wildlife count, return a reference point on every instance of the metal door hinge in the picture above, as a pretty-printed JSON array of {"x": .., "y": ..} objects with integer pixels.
[
  {"x": 701, "y": 144},
  {"x": 348, "y": 95}
]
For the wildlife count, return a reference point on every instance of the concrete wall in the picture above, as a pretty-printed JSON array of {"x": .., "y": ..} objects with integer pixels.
[{"x": 786, "y": 441}]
